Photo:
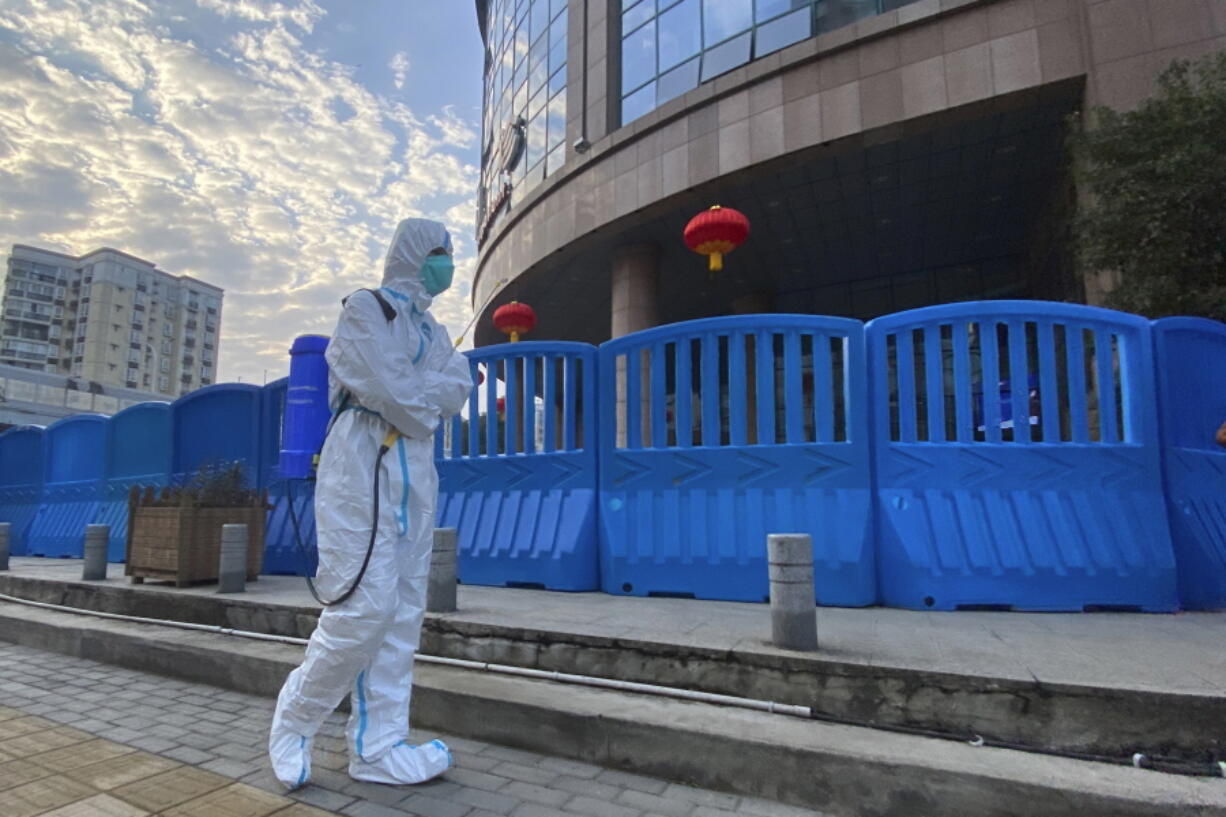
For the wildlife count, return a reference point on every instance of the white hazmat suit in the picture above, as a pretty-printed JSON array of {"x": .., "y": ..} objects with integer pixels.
[{"x": 385, "y": 375}]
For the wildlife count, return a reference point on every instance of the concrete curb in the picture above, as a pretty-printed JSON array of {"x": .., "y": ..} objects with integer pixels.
[
  {"x": 1079, "y": 718},
  {"x": 844, "y": 770}
]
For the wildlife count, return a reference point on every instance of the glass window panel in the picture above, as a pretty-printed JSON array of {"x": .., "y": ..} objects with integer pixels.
[
  {"x": 680, "y": 33},
  {"x": 628, "y": 3},
  {"x": 558, "y": 81},
  {"x": 555, "y": 160},
  {"x": 557, "y": 30},
  {"x": 777, "y": 34},
  {"x": 557, "y": 56},
  {"x": 521, "y": 101},
  {"x": 725, "y": 57},
  {"x": 540, "y": 50},
  {"x": 677, "y": 81},
  {"x": 535, "y": 106},
  {"x": 521, "y": 45},
  {"x": 540, "y": 18},
  {"x": 556, "y": 7},
  {"x": 722, "y": 19},
  {"x": 638, "y": 103},
  {"x": 536, "y": 140},
  {"x": 769, "y": 9},
  {"x": 639, "y": 57},
  {"x": 833, "y": 14},
  {"x": 638, "y": 15},
  {"x": 537, "y": 76},
  {"x": 557, "y": 121}
]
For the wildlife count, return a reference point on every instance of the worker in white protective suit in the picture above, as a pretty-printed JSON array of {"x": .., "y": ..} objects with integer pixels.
[{"x": 393, "y": 375}]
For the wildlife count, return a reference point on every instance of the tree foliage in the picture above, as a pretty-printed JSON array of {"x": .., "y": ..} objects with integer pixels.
[{"x": 1156, "y": 184}]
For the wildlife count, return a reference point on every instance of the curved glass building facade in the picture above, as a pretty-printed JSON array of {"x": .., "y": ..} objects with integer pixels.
[{"x": 524, "y": 120}]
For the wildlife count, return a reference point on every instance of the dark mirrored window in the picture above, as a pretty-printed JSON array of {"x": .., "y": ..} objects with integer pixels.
[{"x": 669, "y": 46}]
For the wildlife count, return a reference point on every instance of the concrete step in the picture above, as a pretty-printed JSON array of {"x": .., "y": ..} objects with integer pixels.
[
  {"x": 1100, "y": 719},
  {"x": 847, "y": 771}
]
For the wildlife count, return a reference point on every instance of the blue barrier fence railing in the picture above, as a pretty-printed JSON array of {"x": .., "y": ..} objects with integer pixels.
[
  {"x": 1189, "y": 353},
  {"x": 1064, "y": 514},
  {"x": 994, "y": 454},
  {"x": 21, "y": 482},
  {"x": 521, "y": 487},
  {"x": 726, "y": 430},
  {"x": 137, "y": 454},
  {"x": 75, "y": 466}
]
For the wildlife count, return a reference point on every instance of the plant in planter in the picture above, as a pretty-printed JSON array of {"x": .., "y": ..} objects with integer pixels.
[{"x": 175, "y": 534}]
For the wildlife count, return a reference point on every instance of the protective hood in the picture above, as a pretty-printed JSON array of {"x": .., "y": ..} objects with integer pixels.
[{"x": 414, "y": 239}]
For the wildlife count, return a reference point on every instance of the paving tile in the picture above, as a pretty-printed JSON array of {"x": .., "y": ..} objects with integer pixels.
[
  {"x": 41, "y": 796},
  {"x": 632, "y": 781},
  {"x": 19, "y": 772},
  {"x": 533, "y": 793},
  {"x": 424, "y": 805},
  {"x": 769, "y": 808},
  {"x": 476, "y": 779},
  {"x": 518, "y": 771},
  {"x": 16, "y": 727},
  {"x": 583, "y": 785},
  {"x": 574, "y": 768},
  {"x": 655, "y": 803},
  {"x": 186, "y": 754},
  {"x": 599, "y": 808},
  {"x": 537, "y": 810},
  {"x": 303, "y": 810},
  {"x": 171, "y": 788},
  {"x": 491, "y": 801},
  {"x": 81, "y": 754},
  {"x": 235, "y": 800},
  {"x": 365, "y": 809},
  {"x": 320, "y": 797},
  {"x": 100, "y": 805},
  {"x": 119, "y": 771},
  {"x": 228, "y": 767},
  {"x": 702, "y": 797},
  {"x": 153, "y": 744}
]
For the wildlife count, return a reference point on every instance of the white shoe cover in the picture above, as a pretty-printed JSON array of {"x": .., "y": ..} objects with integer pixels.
[
  {"x": 290, "y": 754},
  {"x": 404, "y": 765}
]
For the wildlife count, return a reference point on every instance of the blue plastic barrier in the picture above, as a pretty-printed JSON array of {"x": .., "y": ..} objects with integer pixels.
[
  {"x": 137, "y": 453},
  {"x": 215, "y": 425},
  {"x": 727, "y": 430},
  {"x": 1066, "y": 514},
  {"x": 75, "y": 457},
  {"x": 1189, "y": 356},
  {"x": 526, "y": 512},
  {"x": 281, "y": 553},
  {"x": 22, "y": 463}
]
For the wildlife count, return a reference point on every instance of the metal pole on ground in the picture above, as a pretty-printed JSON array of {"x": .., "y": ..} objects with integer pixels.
[
  {"x": 232, "y": 565},
  {"x": 441, "y": 592},
  {"x": 96, "y": 538},
  {"x": 793, "y": 607},
  {"x": 5, "y": 527}
]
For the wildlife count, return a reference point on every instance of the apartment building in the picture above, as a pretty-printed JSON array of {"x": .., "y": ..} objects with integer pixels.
[{"x": 110, "y": 318}]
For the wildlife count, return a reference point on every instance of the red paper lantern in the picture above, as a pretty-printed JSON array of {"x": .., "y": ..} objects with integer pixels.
[
  {"x": 514, "y": 319},
  {"x": 716, "y": 232}
]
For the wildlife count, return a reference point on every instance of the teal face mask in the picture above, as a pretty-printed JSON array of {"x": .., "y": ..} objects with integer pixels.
[{"x": 436, "y": 273}]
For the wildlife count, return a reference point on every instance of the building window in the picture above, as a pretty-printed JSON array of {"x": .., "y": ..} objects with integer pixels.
[
  {"x": 165, "y": 365},
  {"x": 670, "y": 46},
  {"x": 165, "y": 347},
  {"x": 163, "y": 384}
]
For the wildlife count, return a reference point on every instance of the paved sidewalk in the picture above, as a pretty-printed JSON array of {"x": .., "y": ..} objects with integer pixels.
[{"x": 84, "y": 739}]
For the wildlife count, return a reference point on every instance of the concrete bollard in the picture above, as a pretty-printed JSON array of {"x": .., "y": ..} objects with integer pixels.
[
  {"x": 793, "y": 609},
  {"x": 232, "y": 564},
  {"x": 96, "y": 539},
  {"x": 441, "y": 593},
  {"x": 5, "y": 527}
]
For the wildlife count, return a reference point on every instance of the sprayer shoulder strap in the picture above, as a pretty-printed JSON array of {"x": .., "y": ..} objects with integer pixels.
[{"x": 389, "y": 311}]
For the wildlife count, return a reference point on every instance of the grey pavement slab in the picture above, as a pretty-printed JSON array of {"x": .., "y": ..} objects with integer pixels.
[{"x": 510, "y": 781}]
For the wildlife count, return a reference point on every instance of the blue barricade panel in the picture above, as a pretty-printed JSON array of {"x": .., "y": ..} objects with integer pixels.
[
  {"x": 1013, "y": 497},
  {"x": 521, "y": 487},
  {"x": 215, "y": 425},
  {"x": 138, "y": 454},
  {"x": 22, "y": 461},
  {"x": 1189, "y": 353},
  {"x": 719, "y": 432},
  {"x": 75, "y": 457},
  {"x": 282, "y": 555}
]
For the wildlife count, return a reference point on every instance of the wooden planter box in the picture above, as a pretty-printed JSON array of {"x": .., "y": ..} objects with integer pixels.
[{"x": 182, "y": 543}]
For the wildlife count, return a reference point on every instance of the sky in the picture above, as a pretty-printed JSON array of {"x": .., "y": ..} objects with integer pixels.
[{"x": 266, "y": 147}]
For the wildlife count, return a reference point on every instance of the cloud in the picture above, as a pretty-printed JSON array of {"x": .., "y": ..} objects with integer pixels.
[
  {"x": 400, "y": 68},
  {"x": 252, "y": 162}
]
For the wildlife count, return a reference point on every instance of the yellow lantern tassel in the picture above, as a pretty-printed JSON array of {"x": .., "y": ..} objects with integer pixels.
[{"x": 717, "y": 261}]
